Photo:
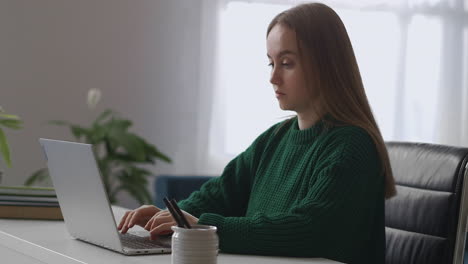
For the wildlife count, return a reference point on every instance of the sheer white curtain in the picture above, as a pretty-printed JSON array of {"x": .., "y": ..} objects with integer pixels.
[{"x": 412, "y": 55}]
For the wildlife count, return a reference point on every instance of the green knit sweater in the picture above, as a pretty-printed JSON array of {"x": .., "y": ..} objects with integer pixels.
[{"x": 316, "y": 192}]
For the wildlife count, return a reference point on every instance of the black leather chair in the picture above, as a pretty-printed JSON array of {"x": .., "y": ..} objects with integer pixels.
[{"x": 426, "y": 221}]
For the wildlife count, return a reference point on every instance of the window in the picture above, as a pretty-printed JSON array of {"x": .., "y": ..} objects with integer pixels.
[{"x": 405, "y": 50}]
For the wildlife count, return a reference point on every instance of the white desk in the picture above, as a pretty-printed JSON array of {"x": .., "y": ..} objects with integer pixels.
[{"x": 35, "y": 241}]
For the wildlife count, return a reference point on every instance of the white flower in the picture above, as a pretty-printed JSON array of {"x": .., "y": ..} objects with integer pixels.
[{"x": 94, "y": 95}]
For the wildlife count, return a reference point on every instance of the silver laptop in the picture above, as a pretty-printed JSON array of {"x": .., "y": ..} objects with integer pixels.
[{"x": 84, "y": 202}]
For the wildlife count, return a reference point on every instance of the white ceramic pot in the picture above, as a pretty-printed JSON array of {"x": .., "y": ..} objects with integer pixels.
[{"x": 198, "y": 244}]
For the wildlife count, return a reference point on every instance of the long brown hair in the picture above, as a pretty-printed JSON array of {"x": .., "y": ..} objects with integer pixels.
[{"x": 328, "y": 57}]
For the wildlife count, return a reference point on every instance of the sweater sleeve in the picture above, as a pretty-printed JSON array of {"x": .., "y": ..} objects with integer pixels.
[
  {"x": 334, "y": 208},
  {"x": 228, "y": 194}
]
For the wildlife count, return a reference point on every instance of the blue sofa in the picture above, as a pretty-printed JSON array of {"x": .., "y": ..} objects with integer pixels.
[{"x": 176, "y": 187}]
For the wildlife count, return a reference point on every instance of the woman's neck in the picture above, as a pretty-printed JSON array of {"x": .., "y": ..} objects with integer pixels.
[{"x": 306, "y": 121}]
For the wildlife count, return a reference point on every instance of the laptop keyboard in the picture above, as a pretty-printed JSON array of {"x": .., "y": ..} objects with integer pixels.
[{"x": 136, "y": 242}]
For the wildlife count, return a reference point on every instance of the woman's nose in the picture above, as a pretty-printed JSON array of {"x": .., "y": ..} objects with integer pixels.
[{"x": 275, "y": 78}]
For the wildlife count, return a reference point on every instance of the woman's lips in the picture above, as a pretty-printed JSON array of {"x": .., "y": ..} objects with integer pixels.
[{"x": 278, "y": 94}]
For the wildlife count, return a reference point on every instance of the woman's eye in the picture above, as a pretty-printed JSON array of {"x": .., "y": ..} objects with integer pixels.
[{"x": 286, "y": 63}]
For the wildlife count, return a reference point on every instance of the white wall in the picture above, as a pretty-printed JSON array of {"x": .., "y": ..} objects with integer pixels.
[{"x": 144, "y": 55}]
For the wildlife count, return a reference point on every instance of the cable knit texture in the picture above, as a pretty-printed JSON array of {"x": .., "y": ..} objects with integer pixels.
[{"x": 317, "y": 192}]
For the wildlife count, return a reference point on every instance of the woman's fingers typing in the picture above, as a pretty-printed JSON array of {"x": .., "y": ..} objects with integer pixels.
[
  {"x": 139, "y": 216},
  {"x": 153, "y": 219},
  {"x": 162, "y": 222},
  {"x": 122, "y": 221},
  {"x": 126, "y": 220},
  {"x": 162, "y": 229},
  {"x": 161, "y": 217}
]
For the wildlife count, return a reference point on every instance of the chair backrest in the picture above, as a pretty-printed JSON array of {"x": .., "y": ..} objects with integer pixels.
[{"x": 426, "y": 221}]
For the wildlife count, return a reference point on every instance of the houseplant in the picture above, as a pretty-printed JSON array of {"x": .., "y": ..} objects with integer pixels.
[
  {"x": 7, "y": 121},
  {"x": 120, "y": 153}
]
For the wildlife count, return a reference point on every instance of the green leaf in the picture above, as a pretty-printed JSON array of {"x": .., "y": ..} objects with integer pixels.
[
  {"x": 105, "y": 166},
  {"x": 11, "y": 123},
  {"x": 97, "y": 134},
  {"x": 162, "y": 157},
  {"x": 154, "y": 152},
  {"x": 135, "y": 185},
  {"x": 78, "y": 131},
  {"x": 9, "y": 116},
  {"x": 122, "y": 157},
  {"x": 131, "y": 145},
  {"x": 4, "y": 149},
  {"x": 140, "y": 171},
  {"x": 137, "y": 177},
  {"x": 103, "y": 116},
  {"x": 138, "y": 192},
  {"x": 117, "y": 125},
  {"x": 39, "y": 176},
  {"x": 59, "y": 123}
]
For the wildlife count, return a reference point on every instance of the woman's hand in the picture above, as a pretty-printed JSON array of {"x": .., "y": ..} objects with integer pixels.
[
  {"x": 161, "y": 223},
  {"x": 139, "y": 216}
]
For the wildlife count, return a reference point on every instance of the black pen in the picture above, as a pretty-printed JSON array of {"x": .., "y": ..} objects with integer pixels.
[
  {"x": 173, "y": 213},
  {"x": 179, "y": 212}
]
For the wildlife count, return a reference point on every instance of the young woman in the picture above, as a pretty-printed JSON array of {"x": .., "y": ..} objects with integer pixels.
[{"x": 311, "y": 186}]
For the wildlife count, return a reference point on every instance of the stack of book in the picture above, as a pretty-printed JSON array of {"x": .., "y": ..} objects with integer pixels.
[{"x": 29, "y": 203}]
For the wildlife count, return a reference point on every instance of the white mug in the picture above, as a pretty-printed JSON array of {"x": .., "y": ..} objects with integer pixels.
[{"x": 198, "y": 244}]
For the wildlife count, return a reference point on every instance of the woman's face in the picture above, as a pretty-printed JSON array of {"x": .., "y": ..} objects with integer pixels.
[{"x": 287, "y": 75}]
